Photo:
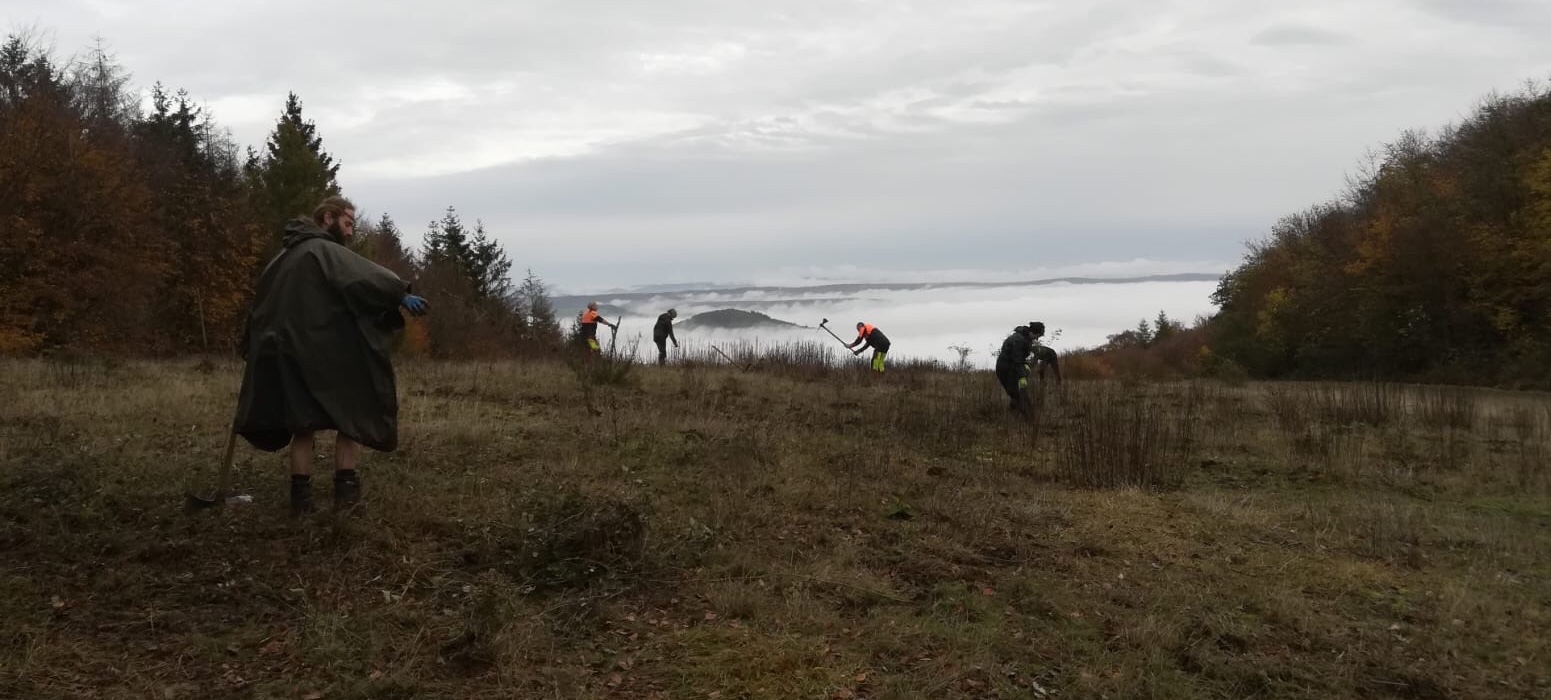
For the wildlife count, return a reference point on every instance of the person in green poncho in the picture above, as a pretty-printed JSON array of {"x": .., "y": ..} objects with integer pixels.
[{"x": 317, "y": 350}]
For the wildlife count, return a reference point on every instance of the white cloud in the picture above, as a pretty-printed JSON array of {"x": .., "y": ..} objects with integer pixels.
[
  {"x": 847, "y": 274},
  {"x": 927, "y": 323}
]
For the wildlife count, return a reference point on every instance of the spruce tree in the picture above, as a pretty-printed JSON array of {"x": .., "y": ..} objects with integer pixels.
[
  {"x": 295, "y": 173},
  {"x": 446, "y": 242},
  {"x": 478, "y": 259},
  {"x": 488, "y": 265},
  {"x": 533, "y": 301},
  {"x": 382, "y": 243}
]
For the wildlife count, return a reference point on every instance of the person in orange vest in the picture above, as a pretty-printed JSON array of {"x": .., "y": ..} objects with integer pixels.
[
  {"x": 588, "y": 322},
  {"x": 868, "y": 336}
]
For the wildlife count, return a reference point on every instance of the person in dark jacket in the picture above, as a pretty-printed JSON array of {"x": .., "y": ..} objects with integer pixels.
[
  {"x": 1012, "y": 364},
  {"x": 662, "y": 333},
  {"x": 316, "y": 345},
  {"x": 1012, "y": 370},
  {"x": 868, "y": 336}
]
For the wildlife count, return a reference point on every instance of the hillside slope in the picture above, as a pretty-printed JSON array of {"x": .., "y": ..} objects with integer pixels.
[{"x": 698, "y": 533}]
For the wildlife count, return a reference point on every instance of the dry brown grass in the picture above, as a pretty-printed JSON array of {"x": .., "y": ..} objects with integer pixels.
[{"x": 782, "y": 532}]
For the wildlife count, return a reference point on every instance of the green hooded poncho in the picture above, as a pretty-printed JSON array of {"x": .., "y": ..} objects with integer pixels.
[{"x": 317, "y": 345}]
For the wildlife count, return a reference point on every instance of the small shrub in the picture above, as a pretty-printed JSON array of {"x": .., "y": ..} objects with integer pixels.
[
  {"x": 1369, "y": 403},
  {"x": 692, "y": 380},
  {"x": 1116, "y": 439},
  {"x": 963, "y": 351},
  {"x": 945, "y": 424},
  {"x": 1291, "y": 407},
  {"x": 1228, "y": 372},
  {"x": 70, "y": 367},
  {"x": 1532, "y": 469},
  {"x": 1085, "y": 366},
  {"x": 606, "y": 369},
  {"x": 1392, "y": 532},
  {"x": 1452, "y": 449},
  {"x": 1452, "y": 408},
  {"x": 1333, "y": 450},
  {"x": 573, "y": 540}
]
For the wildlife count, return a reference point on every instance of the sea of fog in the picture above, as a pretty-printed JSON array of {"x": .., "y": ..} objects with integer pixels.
[{"x": 924, "y": 322}]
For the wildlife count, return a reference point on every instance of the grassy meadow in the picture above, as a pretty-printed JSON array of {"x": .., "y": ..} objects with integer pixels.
[{"x": 790, "y": 531}]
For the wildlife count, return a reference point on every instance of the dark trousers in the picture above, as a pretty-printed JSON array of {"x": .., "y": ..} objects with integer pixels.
[
  {"x": 662, "y": 350},
  {"x": 1018, "y": 396}
]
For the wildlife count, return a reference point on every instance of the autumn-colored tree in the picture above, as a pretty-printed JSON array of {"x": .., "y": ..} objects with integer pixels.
[
  {"x": 207, "y": 222},
  {"x": 79, "y": 251},
  {"x": 1436, "y": 264}
]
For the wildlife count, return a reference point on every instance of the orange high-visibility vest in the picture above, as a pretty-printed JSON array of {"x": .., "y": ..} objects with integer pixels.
[
  {"x": 590, "y": 316},
  {"x": 866, "y": 331}
]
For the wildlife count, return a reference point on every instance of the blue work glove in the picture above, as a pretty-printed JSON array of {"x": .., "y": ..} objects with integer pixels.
[{"x": 416, "y": 305}]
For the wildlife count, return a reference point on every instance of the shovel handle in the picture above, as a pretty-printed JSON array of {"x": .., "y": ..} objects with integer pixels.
[{"x": 226, "y": 464}]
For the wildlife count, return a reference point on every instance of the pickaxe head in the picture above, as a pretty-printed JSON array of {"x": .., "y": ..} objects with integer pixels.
[{"x": 821, "y": 323}]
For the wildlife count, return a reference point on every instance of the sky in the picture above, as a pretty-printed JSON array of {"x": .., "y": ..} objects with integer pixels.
[{"x": 615, "y": 143}]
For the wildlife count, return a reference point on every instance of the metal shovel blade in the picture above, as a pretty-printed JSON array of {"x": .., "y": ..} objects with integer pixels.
[{"x": 195, "y": 501}]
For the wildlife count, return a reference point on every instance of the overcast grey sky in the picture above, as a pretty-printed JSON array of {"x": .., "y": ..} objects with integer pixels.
[{"x": 610, "y": 143}]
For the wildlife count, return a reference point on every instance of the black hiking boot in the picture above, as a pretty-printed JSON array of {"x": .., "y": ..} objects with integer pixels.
[
  {"x": 301, "y": 496},
  {"x": 347, "y": 489}
]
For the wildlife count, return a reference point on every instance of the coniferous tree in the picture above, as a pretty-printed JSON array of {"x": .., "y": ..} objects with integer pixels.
[
  {"x": 488, "y": 265},
  {"x": 533, "y": 302},
  {"x": 446, "y": 242},
  {"x": 383, "y": 243},
  {"x": 294, "y": 173}
]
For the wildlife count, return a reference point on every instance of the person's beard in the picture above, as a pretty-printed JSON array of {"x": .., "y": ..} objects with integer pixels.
[{"x": 338, "y": 232}]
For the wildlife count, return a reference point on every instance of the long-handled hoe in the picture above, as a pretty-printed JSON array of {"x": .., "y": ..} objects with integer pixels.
[
  {"x": 730, "y": 360},
  {"x": 825, "y": 325}
]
